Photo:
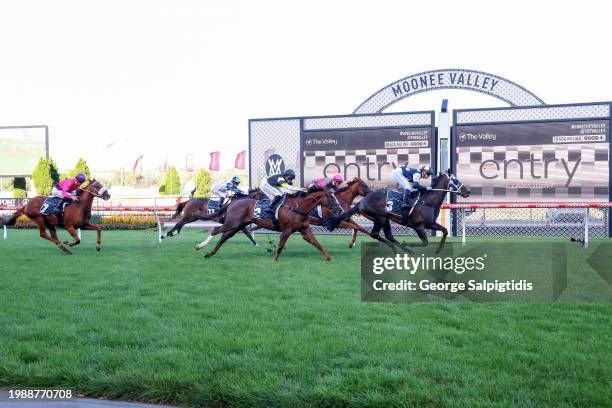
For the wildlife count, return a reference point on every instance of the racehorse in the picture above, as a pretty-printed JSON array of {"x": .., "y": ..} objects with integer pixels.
[
  {"x": 422, "y": 216},
  {"x": 76, "y": 215},
  {"x": 292, "y": 217},
  {"x": 197, "y": 209},
  {"x": 345, "y": 197}
]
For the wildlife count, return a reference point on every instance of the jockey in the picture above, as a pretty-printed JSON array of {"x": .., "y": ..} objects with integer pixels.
[
  {"x": 276, "y": 186},
  {"x": 408, "y": 178},
  {"x": 324, "y": 182},
  {"x": 332, "y": 185},
  {"x": 65, "y": 189},
  {"x": 229, "y": 189}
]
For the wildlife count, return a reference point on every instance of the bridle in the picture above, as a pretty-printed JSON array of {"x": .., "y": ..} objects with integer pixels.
[
  {"x": 455, "y": 188},
  {"x": 97, "y": 195}
]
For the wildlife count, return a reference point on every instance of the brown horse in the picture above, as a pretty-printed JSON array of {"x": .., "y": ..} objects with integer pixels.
[
  {"x": 292, "y": 217},
  {"x": 76, "y": 215},
  {"x": 196, "y": 209},
  {"x": 346, "y": 196}
]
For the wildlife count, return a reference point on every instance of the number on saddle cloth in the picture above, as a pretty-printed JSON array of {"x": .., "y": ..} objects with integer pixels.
[
  {"x": 214, "y": 204},
  {"x": 259, "y": 210},
  {"x": 394, "y": 202},
  {"x": 54, "y": 206}
]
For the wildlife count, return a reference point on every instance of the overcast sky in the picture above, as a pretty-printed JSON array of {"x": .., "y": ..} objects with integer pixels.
[{"x": 175, "y": 77}]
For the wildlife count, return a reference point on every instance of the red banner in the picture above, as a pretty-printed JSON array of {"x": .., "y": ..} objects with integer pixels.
[
  {"x": 240, "y": 159},
  {"x": 138, "y": 164},
  {"x": 214, "y": 161}
]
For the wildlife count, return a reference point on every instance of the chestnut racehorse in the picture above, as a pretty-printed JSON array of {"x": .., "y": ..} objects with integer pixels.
[
  {"x": 76, "y": 215},
  {"x": 292, "y": 217},
  {"x": 196, "y": 209}
]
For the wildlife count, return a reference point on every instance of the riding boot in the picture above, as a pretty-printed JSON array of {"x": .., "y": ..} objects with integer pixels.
[
  {"x": 406, "y": 198},
  {"x": 270, "y": 209},
  {"x": 332, "y": 204}
]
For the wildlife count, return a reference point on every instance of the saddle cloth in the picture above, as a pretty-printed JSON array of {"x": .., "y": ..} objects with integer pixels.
[
  {"x": 260, "y": 206},
  {"x": 54, "y": 206},
  {"x": 394, "y": 202},
  {"x": 214, "y": 204}
]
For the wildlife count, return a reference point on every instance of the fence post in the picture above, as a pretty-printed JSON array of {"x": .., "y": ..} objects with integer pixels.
[
  {"x": 586, "y": 228},
  {"x": 159, "y": 228},
  {"x": 463, "y": 227},
  {"x": 5, "y": 235}
]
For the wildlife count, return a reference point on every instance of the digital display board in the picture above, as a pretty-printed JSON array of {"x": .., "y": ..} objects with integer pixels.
[
  {"x": 534, "y": 161},
  {"x": 20, "y": 149},
  {"x": 370, "y": 154}
]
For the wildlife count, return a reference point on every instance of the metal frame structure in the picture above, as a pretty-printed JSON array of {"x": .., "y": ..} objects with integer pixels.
[{"x": 531, "y": 114}]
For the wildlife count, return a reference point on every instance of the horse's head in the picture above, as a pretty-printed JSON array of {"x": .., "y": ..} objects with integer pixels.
[
  {"x": 454, "y": 184},
  {"x": 98, "y": 190},
  {"x": 359, "y": 186}
]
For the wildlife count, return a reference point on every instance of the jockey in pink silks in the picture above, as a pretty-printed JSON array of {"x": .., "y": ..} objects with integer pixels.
[
  {"x": 332, "y": 185},
  {"x": 65, "y": 189}
]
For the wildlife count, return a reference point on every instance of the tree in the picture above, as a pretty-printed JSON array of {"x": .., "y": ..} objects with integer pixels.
[
  {"x": 80, "y": 167},
  {"x": 171, "y": 184},
  {"x": 19, "y": 187},
  {"x": 45, "y": 176},
  {"x": 203, "y": 182}
]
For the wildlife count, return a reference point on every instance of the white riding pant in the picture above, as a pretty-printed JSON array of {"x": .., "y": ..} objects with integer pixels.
[
  {"x": 399, "y": 178},
  {"x": 56, "y": 192},
  {"x": 269, "y": 190}
]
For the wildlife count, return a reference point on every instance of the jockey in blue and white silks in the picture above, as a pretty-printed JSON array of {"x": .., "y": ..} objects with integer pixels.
[{"x": 409, "y": 180}]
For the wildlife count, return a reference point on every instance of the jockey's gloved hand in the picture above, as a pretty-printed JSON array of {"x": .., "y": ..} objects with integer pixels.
[{"x": 428, "y": 188}]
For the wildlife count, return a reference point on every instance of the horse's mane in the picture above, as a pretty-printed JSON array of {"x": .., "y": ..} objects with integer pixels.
[{"x": 348, "y": 185}]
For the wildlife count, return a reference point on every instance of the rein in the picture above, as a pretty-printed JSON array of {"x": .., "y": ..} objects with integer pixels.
[{"x": 90, "y": 192}]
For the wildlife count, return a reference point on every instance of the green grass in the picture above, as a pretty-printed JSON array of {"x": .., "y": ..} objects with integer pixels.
[{"x": 156, "y": 322}]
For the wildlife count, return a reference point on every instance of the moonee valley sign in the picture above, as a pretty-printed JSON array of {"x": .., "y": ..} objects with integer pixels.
[{"x": 493, "y": 85}]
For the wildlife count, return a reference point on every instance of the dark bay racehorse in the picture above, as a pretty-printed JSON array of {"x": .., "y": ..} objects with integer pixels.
[
  {"x": 292, "y": 217},
  {"x": 196, "y": 209},
  {"x": 76, "y": 215},
  {"x": 422, "y": 217}
]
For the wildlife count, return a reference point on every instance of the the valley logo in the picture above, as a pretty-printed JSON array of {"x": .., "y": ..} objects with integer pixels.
[
  {"x": 275, "y": 165},
  {"x": 313, "y": 141},
  {"x": 477, "y": 136}
]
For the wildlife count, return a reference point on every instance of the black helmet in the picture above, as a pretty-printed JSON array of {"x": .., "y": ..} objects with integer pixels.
[{"x": 289, "y": 174}]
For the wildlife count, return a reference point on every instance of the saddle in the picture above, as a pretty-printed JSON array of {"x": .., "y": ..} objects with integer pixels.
[
  {"x": 394, "y": 202},
  {"x": 259, "y": 211},
  {"x": 54, "y": 206},
  {"x": 214, "y": 204}
]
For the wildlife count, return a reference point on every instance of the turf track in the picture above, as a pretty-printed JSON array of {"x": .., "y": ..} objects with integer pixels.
[{"x": 157, "y": 323}]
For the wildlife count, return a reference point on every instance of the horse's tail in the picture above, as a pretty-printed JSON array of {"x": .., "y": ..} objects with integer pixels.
[
  {"x": 13, "y": 219},
  {"x": 333, "y": 222},
  {"x": 179, "y": 209}
]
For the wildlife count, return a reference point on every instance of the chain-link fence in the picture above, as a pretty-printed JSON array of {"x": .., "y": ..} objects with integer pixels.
[{"x": 526, "y": 222}]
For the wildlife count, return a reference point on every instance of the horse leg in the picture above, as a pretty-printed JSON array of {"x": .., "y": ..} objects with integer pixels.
[
  {"x": 391, "y": 238},
  {"x": 53, "y": 238},
  {"x": 215, "y": 231},
  {"x": 437, "y": 227},
  {"x": 226, "y": 235},
  {"x": 284, "y": 235},
  {"x": 355, "y": 227},
  {"x": 312, "y": 240},
  {"x": 249, "y": 235},
  {"x": 74, "y": 235},
  {"x": 378, "y": 225},
  {"x": 98, "y": 229},
  {"x": 420, "y": 230}
]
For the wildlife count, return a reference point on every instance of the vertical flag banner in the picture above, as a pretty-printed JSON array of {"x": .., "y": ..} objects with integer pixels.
[
  {"x": 239, "y": 162},
  {"x": 189, "y": 162},
  {"x": 164, "y": 165},
  {"x": 269, "y": 153},
  {"x": 214, "y": 161},
  {"x": 138, "y": 164}
]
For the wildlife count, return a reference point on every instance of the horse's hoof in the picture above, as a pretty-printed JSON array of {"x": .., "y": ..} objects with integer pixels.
[
  {"x": 98, "y": 249},
  {"x": 275, "y": 259},
  {"x": 328, "y": 258},
  {"x": 208, "y": 255}
]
